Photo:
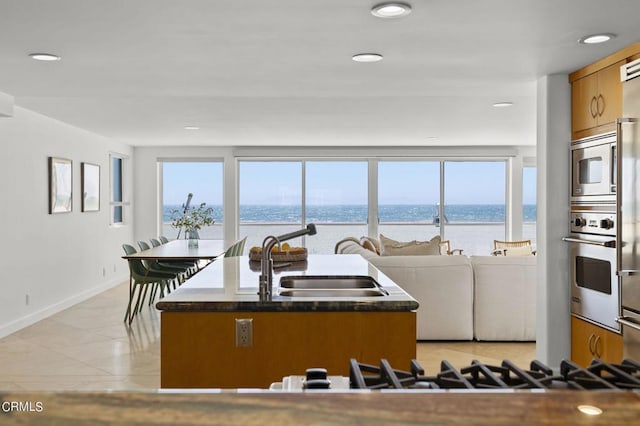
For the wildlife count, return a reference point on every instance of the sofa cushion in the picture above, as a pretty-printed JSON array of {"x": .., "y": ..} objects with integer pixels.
[{"x": 389, "y": 247}]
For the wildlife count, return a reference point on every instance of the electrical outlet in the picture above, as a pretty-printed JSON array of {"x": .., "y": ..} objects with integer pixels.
[
  {"x": 26, "y": 299},
  {"x": 244, "y": 332},
  {"x": 104, "y": 272}
]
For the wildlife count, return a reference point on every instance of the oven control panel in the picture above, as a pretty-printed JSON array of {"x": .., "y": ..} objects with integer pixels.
[{"x": 590, "y": 222}]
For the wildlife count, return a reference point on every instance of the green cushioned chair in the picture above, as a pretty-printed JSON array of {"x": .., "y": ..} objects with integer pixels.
[{"x": 144, "y": 280}]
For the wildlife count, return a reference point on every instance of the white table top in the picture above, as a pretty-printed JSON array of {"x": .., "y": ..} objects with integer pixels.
[{"x": 180, "y": 250}]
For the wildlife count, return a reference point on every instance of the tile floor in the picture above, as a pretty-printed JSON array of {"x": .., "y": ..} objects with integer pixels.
[{"x": 88, "y": 347}]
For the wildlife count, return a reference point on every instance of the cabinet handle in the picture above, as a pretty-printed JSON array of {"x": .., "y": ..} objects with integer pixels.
[
  {"x": 591, "y": 343},
  {"x": 595, "y": 347},
  {"x": 600, "y": 111},
  {"x": 593, "y": 107}
]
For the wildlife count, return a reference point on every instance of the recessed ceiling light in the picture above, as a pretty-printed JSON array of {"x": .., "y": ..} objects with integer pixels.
[
  {"x": 596, "y": 38},
  {"x": 590, "y": 410},
  {"x": 44, "y": 57},
  {"x": 191, "y": 128},
  {"x": 391, "y": 10},
  {"x": 367, "y": 57},
  {"x": 503, "y": 104}
]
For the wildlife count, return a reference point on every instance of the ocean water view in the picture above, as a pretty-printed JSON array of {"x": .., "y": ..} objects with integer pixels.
[
  {"x": 471, "y": 227},
  {"x": 357, "y": 213}
]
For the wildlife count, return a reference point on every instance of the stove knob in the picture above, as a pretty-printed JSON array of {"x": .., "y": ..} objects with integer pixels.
[
  {"x": 606, "y": 224},
  {"x": 316, "y": 374},
  {"x": 316, "y": 379},
  {"x": 578, "y": 221}
]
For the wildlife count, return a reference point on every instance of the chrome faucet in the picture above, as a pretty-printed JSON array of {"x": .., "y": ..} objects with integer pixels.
[{"x": 266, "y": 277}]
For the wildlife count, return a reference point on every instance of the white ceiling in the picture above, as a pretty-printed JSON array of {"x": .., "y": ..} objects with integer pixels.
[{"x": 279, "y": 72}]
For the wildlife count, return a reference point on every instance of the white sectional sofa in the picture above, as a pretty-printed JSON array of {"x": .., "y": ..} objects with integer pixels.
[
  {"x": 505, "y": 297},
  {"x": 462, "y": 298}
]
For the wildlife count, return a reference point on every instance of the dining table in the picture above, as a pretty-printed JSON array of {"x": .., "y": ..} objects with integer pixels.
[{"x": 179, "y": 250}]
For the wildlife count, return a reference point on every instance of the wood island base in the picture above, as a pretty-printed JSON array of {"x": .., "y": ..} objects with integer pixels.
[{"x": 198, "y": 349}]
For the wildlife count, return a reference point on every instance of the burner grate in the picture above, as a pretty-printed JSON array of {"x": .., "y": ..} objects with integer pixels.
[{"x": 599, "y": 375}]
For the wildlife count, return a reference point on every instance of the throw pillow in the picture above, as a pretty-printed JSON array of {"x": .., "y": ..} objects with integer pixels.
[
  {"x": 389, "y": 247},
  {"x": 369, "y": 244}
]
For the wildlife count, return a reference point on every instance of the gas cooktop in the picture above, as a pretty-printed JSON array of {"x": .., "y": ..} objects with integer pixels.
[{"x": 597, "y": 376}]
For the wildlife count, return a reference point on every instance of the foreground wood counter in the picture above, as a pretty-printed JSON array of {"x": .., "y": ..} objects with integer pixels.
[
  {"x": 290, "y": 334},
  {"x": 369, "y": 408}
]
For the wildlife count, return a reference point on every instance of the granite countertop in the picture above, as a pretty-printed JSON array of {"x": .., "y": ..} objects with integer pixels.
[
  {"x": 231, "y": 284},
  {"x": 370, "y": 408}
]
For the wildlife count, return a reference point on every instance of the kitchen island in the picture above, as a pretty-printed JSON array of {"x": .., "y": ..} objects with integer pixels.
[
  {"x": 202, "y": 347},
  {"x": 314, "y": 408}
]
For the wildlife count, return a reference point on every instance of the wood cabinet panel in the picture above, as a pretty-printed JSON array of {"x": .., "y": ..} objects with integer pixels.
[
  {"x": 596, "y": 102},
  {"x": 583, "y": 103},
  {"x": 609, "y": 100},
  {"x": 198, "y": 349},
  {"x": 588, "y": 341}
]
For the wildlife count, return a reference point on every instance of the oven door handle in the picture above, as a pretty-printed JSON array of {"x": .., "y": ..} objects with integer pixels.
[
  {"x": 629, "y": 322},
  {"x": 610, "y": 243}
]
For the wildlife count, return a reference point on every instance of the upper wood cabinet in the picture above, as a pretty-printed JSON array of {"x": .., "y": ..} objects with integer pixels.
[
  {"x": 596, "y": 101},
  {"x": 588, "y": 342}
]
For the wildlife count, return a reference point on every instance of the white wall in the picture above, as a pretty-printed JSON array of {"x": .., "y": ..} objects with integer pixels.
[
  {"x": 554, "y": 136},
  {"x": 59, "y": 259}
]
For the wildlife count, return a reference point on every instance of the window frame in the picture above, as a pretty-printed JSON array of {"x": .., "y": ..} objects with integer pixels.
[
  {"x": 160, "y": 176},
  {"x": 505, "y": 158},
  {"x": 123, "y": 203}
]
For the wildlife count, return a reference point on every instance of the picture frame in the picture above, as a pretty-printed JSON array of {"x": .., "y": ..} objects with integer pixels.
[
  {"x": 90, "y": 187},
  {"x": 60, "y": 185}
]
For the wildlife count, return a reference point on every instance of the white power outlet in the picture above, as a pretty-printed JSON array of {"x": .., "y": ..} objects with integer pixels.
[{"x": 244, "y": 332}]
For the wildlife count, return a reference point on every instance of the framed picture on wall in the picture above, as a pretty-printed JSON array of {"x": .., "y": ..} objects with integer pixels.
[
  {"x": 90, "y": 174},
  {"x": 60, "y": 185}
]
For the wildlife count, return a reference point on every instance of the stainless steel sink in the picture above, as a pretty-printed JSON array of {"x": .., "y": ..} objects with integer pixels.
[
  {"x": 335, "y": 292},
  {"x": 328, "y": 282}
]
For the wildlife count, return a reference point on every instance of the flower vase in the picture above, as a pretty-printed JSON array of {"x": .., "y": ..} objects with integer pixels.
[{"x": 192, "y": 236}]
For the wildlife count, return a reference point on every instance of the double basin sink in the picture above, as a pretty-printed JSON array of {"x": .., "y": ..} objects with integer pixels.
[{"x": 330, "y": 286}]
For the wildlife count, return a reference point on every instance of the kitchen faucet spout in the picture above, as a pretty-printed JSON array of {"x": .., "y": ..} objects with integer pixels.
[{"x": 265, "y": 286}]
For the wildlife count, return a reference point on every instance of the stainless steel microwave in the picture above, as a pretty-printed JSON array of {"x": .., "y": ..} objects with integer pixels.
[{"x": 593, "y": 170}]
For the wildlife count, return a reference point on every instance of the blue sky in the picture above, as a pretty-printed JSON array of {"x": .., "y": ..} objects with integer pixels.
[
  {"x": 202, "y": 179},
  {"x": 339, "y": 182}
]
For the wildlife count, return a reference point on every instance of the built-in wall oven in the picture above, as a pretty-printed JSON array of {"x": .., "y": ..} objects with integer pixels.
[
  {"x": 595, "y": 288},
  {"x": 593, "y": 170}
]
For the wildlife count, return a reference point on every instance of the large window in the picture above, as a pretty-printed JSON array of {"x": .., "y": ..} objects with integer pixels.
[
  {"x": 202, "y": 179},
  {"x": 270, "y": 199},
  {"x": 336, "y": 201},
  {"x": 408, "y": 198},
  {"x": 274, "y": 199},
  {"x": 474, "y": 212},
  {"x": 117, "y": 201},
  {"x": 460, "y": 200}
]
